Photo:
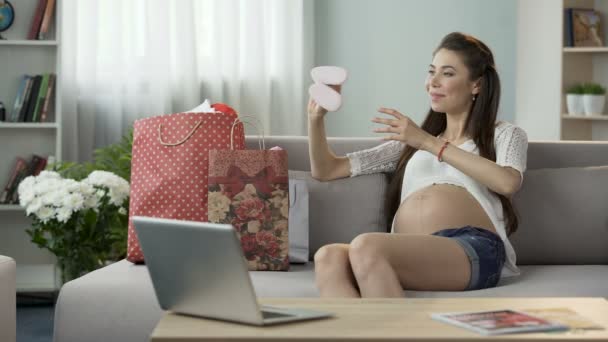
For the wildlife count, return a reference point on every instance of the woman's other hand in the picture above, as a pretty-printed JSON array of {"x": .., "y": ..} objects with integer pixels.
[{"x": 402, "y": 128}]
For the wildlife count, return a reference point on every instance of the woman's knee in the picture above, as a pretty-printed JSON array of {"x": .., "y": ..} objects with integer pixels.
[
  {"x": 333, "y": 254},
  {"x": 364, "y": 253}
]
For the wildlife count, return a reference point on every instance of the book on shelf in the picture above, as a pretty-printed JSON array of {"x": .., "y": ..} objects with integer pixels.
[
  {"x": 26, "y": 99},
  {"x": 33, "y": 98},
  {"x": 19, "y": 99},
  {"x": 2, "y": 112},
  {"x": 47, "y": 98},
  {"x": 20, "y": 171},
  {"x": 568, "y": 37},
  {"x": 37, "y": 20},
  {"x": 496, "y": 322},
  {"x": 46, "y": 20},
  {"x": 20, "y": 164},
  {"x": 582, "y": 28},
  {"x": 44, "y": 84}
]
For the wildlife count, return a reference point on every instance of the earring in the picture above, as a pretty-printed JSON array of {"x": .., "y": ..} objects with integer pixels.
[{"x": 474, "y": 98}]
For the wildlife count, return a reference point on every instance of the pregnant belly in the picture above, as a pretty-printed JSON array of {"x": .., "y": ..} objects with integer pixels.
[{"x": 438, "y": 207}]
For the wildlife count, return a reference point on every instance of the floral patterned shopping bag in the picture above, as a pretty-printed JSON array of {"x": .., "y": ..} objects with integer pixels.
[{"x": 250, "y": 190}]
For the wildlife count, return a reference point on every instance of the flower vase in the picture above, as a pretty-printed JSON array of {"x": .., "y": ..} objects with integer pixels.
[{"x": 70, "y": 270}]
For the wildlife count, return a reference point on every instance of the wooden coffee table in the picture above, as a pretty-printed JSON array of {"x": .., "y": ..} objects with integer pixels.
[{"x": 406, "y": 319}]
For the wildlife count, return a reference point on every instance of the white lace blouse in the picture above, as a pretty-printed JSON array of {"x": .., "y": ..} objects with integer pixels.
[{"x": 423, "y": 169}]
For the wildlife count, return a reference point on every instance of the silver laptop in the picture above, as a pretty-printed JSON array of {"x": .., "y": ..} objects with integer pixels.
[{"x": 199, "y": 269}]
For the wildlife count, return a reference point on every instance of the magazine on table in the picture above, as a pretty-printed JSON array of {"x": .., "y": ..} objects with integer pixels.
[
  {"x": 566, "y": 316},
  {"x": 497, "y": 322}
]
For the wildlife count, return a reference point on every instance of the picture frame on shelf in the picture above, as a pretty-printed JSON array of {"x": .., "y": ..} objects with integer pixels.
[{"x": 586, "y": 28}]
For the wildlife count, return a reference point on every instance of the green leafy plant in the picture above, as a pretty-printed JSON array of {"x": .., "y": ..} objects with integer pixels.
[
  {"x": 115, "y": 158},
  {"x": 593, "y": 89},
  {"x": 577, "y": 89}
]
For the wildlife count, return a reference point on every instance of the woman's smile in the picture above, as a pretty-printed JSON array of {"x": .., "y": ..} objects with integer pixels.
[{"x": 436, "y": 96}]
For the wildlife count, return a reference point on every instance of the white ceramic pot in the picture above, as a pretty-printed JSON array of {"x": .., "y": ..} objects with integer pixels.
[
  {"x": 594, "y": 104},
  {"x": 575, "y": 105}
]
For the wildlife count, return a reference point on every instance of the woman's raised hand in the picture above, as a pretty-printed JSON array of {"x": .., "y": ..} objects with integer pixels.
[
  {"x": 402, "y": 128},
  {"x": 315, "y": 110}
]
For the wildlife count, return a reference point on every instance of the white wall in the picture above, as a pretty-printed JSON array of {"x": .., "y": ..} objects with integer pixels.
[
  {"x": 539, "y": 65},
  {"x": 387, "y": 45}
]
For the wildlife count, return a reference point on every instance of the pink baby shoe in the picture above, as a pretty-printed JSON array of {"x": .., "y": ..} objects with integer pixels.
[
  {"x": 330, "y": 75},
  {"x": 326, "y": 96}
]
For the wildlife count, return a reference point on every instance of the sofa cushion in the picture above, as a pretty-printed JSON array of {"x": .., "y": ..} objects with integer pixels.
[
  {"x": 540, "y": 281},
  {"x": 563, "y": 216},
  {"x": 344, "y": 208}
]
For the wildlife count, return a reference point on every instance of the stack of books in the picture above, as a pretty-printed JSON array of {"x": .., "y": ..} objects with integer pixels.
[
  {"x": 41, "y": 20},
  {"x": 20, "y": 171},
  {"x": 33, "y": 98}
]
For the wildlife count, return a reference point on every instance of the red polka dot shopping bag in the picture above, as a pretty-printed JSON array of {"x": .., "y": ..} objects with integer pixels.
[
  {"x": 250, "y": 190},
  {"x": 169, "y": 165}
]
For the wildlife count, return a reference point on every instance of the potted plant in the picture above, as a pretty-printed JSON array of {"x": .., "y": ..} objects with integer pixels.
[
  {"x": 594, "y": 98},
  {"x": 88, "y": 234},
  {"x": 82, "y": 223},
  {"x": 574, "y": 99}
]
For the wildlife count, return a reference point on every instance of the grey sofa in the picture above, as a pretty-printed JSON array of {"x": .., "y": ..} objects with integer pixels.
[
  {"x": 8, "y": 298},
  {"x": 562, "y": 242}
]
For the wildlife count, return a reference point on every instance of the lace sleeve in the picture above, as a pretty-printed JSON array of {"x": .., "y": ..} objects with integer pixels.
[
  {"x": 381, "y": 158},
  {"x": 512, "y": 148}
]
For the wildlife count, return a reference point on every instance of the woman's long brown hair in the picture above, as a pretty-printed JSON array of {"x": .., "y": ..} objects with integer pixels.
[{"x": 480, "y": 123}]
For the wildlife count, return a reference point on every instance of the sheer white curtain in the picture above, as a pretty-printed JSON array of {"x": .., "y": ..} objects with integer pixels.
[{"x": 127, "y": 59}]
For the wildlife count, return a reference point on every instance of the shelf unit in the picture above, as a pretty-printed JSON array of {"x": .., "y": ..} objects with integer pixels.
[
  {"x": 36, "y": 270},
  {"x": 29, "y": 42},
  {"x": 545, "y": 68},
  {"x": 11, "y": 125},
  {"x": 584, "y": 64},
  {"x": 10, "y": 207}
]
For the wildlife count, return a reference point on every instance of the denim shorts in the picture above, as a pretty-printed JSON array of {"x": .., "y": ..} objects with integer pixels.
[{"x": 486, "y": 253}]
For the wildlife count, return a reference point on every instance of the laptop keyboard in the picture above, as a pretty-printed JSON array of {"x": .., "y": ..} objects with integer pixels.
[{"x": 267, "y": 314}]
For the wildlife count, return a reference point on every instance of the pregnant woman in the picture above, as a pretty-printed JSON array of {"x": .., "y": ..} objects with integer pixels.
[{"x": 449, "y": 194}]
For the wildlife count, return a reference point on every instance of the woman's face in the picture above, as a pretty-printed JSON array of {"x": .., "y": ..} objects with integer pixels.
[{"x": 448, "y": 83}]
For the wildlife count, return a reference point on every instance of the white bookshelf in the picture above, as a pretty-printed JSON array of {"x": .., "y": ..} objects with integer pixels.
[
  {"x": 36, "y": 270},
  {"x": 545, "y": 69}
]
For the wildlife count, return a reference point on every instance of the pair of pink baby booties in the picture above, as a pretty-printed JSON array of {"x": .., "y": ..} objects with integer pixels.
[{"x": 321, "y": 92}]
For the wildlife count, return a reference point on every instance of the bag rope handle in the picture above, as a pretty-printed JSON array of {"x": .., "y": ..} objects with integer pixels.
[
  {"x": 261, "y": 144},
  {"x": 160, "y": 137}
]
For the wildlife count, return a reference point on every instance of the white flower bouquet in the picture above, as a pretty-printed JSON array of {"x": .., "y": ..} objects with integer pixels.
[{"x": 83, "y": 223}]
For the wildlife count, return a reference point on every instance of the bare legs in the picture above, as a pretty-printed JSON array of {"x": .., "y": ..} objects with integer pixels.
[{"x": 382, "y": 265}]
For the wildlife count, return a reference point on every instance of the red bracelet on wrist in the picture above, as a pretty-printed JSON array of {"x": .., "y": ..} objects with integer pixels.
[{"x": 445, "y": 145}]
